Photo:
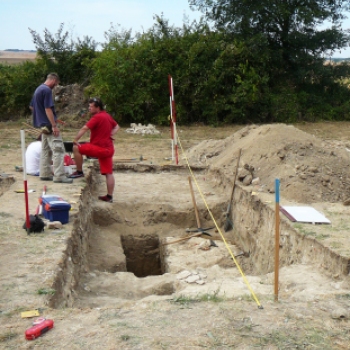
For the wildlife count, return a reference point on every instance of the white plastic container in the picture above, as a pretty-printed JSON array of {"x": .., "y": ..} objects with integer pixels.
[
  {"x": 68, "y": 169},
  {"x": 73, "y": 168}
]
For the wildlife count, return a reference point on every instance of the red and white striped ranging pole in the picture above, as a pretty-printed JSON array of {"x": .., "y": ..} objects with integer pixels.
[{"x": 174, "y": 148}]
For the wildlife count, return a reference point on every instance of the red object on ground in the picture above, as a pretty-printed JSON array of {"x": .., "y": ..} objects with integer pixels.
[
  {"x": 68, "y": 160},
  {"x": 38, "y": 330}
]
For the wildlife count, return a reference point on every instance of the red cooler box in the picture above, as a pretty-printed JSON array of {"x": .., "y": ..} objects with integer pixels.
[{"x": 55, "y": 208}]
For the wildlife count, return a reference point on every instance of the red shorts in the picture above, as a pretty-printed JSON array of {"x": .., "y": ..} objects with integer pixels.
[{"x": 104, "y": 156}]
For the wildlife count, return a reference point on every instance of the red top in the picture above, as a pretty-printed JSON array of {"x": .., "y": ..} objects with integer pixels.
[{"x": 101, "y": 126}]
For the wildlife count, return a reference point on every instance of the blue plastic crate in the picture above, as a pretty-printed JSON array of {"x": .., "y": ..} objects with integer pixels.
[{"x": 55, "y": 208}]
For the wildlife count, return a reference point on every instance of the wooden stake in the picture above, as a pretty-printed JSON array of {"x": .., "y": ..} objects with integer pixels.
[
  {"x": 277, "y": 236},
  {"x": 194, "y": 203}
]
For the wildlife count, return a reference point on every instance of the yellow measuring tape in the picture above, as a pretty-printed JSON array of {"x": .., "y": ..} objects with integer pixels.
[{"x": 218, "y": 228}]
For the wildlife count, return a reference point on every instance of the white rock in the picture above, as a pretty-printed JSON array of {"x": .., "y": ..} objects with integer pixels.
[
  {"x": 200, "y": 282},
  {"x": 142, "y": 129},
  {"x": 340, "y": 313},
  {"x": 256, "y": 181},
  {"x": 54, "y": 225},
  {"x": 192, "y": 279},
  {"x": 183, "y": 274}
]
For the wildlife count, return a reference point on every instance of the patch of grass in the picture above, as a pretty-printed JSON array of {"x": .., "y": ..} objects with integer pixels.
[
  {"x": 44, "y": 291},
  {"x": 199, "y": 298},
  {"x": 5, "y": 215},
  {"x": 309, "y": 233},
  {"x": 109, "y": 315},
  {"x": 184, "y": 300},
  {"x": 343, "y": 296},
  {"x": 13, "y": 312},
  {"x": 336, "y": 245},
  {"x": 152, "y": 136},
  {"x": 9, "y": 286},
  {"x": 215, "y": 298},
  {"x": 7, "y": 336},
  {"x": 303, "y": 231},
  {"x": 131, "y": 339},
  {"x": 306, "y": 232},
  {"x": 307, "y": 337},
  {"x": 322, "y": 236},
  {"x": 246, "y": 297}
]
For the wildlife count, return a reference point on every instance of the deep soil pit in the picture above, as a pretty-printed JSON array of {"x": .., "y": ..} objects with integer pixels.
[
  {"x": 124, "y": 258},
  {"x": 142, "y": 255}
]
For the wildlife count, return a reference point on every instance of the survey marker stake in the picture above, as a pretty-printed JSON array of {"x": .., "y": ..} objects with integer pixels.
[
  {"x": 174, "y": 147},
  {"x": 23, "y": 143}
]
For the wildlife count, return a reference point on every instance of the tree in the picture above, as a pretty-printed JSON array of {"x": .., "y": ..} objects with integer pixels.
[
  {"x": 60, "y": 53},
  {"x": 291, "y": 26},
  {"x": 17, "y": 84}
]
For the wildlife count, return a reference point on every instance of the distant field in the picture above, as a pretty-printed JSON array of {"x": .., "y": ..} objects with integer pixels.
[{"x": 15, "y": 57}]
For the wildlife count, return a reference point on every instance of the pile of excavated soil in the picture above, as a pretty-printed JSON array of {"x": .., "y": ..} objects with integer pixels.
[
  {"x": 310, "y": 170},
  {"x": 71, "y": 105}
]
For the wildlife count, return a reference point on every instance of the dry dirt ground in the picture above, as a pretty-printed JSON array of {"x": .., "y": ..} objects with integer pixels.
[{"x": 113, "y": 309}]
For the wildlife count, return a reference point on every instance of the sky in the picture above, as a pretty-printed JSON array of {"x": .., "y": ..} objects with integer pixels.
[
  {"x": 83, "y": 18},
  {"x": 91, "y": 18}
]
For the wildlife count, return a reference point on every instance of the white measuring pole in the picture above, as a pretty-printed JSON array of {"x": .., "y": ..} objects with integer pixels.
[{"x": 23, "y": 143}]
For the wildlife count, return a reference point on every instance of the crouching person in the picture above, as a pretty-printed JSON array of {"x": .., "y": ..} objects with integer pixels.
[{"x": 102, "y": 128}]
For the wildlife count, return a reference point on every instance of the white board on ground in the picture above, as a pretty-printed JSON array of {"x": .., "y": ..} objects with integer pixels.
[{"x": 304, "y": 214}]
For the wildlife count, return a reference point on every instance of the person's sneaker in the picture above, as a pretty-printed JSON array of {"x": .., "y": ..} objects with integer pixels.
[
  {"x": 76, "y": 174},
  {"x": 46, "y": 178},
  {"x": 106, "y": 199},
  {"x": 64, "y": 180}
]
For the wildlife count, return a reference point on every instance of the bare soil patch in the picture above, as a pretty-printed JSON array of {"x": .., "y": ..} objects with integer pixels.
[{"x": 112, "y": 308}]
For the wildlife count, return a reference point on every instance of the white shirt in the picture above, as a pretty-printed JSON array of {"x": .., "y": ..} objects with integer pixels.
[{"x": 33, "y": 158}]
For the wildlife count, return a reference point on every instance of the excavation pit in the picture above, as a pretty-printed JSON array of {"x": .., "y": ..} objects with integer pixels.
[
  {"x": 142, "y": 255},
  {"x": 134, "y": 248},
  {"x": 102, "y": 258}
]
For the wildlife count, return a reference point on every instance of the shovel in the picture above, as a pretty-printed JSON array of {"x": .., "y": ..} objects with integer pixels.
[{"x": 229, "y": 220}]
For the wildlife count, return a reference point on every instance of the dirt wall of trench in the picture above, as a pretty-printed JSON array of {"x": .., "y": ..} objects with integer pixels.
[
  {"x": 254, "y": 232},
  {"x": 5, "y": 183},
  {"x": 74, "y": 259}
]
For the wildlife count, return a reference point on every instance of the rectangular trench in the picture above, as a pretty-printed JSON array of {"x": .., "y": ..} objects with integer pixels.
[{"x": 253, "y": 233}]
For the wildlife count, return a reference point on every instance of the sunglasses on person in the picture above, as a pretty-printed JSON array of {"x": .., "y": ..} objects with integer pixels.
[{"x": 96, "y": 101}]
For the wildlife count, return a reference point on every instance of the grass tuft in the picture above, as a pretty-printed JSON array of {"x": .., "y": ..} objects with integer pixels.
[
  {"x": 7, "y": 336},
  {"x": 42, "y": 291}
]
